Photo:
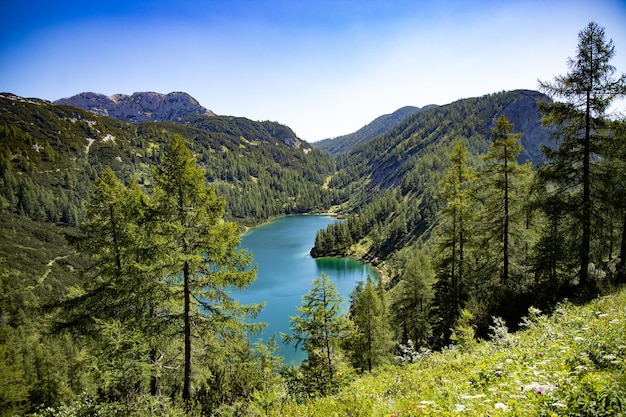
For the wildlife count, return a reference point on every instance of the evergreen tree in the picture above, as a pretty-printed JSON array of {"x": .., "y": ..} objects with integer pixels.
[
  {"x": 200, "y": 254},
  {"x": 457, "y": 216},
  {"x": 552, "y": 260},
  {"x": 319, "y": 328},
  {"x": 372, "y": 342},
  {"x": 120, "y": 294},
  {"x": 500, "y": 195},
  {"x": 587, "y": 90},
  {"x": 501, "y": 232},
  {"x": 412, "y": 298}
]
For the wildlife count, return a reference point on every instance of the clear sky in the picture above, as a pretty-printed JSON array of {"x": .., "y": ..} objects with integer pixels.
[{"x": 323, "y": 67}]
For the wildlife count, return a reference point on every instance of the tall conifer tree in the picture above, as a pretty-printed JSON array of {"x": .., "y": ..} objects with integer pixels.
[
  {"x": 373, "y": 341},
  {"x": 501, "y": 183},
  {"x": 457, "y": 217},
  {"x": 201, "y": 253},
  {"x": 120, "y": 290},
  {"x": 319, "y": 328},
  {"x": 588, "y": 90}
]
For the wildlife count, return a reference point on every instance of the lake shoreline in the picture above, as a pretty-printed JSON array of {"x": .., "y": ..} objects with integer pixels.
[
  {"x": 248, "y": 229},
  {"x": 377, "y": 269},
  {"x": 285, "y": 270}
]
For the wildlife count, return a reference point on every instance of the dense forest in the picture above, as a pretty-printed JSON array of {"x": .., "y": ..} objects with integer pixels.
[{"x": 120, "y": 249}]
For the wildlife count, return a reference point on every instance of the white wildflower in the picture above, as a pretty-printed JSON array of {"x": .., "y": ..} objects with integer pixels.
[
  {"x": 472, "y": 397},
  {"x": 500, "y": 406},
  {"x": 459, "y": 408}
]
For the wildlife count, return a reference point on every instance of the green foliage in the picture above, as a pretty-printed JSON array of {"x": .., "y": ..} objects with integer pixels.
[
  {"x": 453, "y": 234},
  {"x": 570, "y": 363},
  {"x": 572, "y": 176},
  {"x": 463, "y": 334},
  {"x": 121, "y": 361},
  {"x": 393, "y": 179},
  {"x": 411, "y": 301},
  {"x": 371, "y": 341},
  {"x": 200, "y": 255},
  {"x": 51, "y": 154},
  {"x": 319, "y": 327}
]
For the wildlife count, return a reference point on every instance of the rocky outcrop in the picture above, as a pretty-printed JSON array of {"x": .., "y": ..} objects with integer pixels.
[
  {"x": 523, "y": 113},
  {"x": 139, "y": 107}
]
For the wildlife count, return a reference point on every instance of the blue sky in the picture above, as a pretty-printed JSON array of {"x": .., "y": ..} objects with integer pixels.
[{"x": 324, "y": 68}]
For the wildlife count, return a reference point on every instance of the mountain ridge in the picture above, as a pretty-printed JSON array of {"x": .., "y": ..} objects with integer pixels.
[
  {"x": 378, "y": 126},
  {"x": 138, "y": 107}
]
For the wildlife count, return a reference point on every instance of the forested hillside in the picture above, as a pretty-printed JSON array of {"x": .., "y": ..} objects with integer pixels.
[
  {"x": 489, "y": 205},
  {"x": 394, "y": 178},
  {"x": 50, "y": 155},
  {"x": 380, "y": 125},
  {"x": 119, "y": 252}
]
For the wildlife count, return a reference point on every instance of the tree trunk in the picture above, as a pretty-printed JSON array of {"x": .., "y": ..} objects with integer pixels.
[
  {"x": 155, "y": 388},
  {"x": 505, "y": 267},
  {"x": 187, "y": 318},
  {"x": 586, "y": 203},
  {"x": 621, "y": 273}
]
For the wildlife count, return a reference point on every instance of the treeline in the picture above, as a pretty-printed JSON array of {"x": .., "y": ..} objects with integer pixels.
[
  {"x": 142, "y": 321},
  {"x": 494, "y": 236},
  {"x": 51, "y": 154},
  {"x": 150, "y": 312}
]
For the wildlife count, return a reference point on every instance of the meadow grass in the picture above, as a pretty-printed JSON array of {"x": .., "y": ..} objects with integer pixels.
[{"x": 571, "y": 362}]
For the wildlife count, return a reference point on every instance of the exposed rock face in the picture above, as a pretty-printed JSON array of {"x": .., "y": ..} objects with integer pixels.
[
  {"x": 139, "y": 107},
  {"x": 524, "y": 114}
]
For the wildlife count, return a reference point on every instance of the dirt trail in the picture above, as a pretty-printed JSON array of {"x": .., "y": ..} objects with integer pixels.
[{"x": 49, "y": 265}]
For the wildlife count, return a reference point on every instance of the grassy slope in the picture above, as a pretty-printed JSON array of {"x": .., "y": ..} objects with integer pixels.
[{"x": 570, "y": 363}]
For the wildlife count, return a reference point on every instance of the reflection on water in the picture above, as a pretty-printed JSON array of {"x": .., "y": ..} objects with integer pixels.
[{"x": 286, "y": 270}]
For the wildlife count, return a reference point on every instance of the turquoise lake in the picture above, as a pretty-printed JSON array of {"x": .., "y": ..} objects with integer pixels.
[{"x": 286, "y": 270}]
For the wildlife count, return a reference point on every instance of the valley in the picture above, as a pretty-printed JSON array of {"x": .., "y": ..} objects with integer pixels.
[{"x": 419, "y": 192}]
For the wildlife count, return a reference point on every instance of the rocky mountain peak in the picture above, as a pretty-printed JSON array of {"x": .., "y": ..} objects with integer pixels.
[{"x": 139, "y": 107}]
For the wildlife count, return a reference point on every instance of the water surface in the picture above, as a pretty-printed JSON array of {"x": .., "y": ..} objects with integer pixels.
[{"x": 286, "y": 270}]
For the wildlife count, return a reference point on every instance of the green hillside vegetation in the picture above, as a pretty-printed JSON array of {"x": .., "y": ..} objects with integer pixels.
[
  {"x": 380, "y": 125},
  {"x": 51, "y": 155},
  {"x": 394, "y": 178},
  {"x": 119, "y": 252},
  {"x": 571, "y": 362},
  {"x": 262, "y": 166}
]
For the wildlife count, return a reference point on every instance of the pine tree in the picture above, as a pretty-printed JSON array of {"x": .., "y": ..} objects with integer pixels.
[
  {"x": 501, "y": 253},
  {"x": 500, "y": 189},
  {"x": 587, "y": 90},
  {"x": 201, "y": 254},
  {"x": 319, "y": 328},
  {"x": 457, "y": 217},
  {"x": 371, "y": 345},
  {"x": 412, "y": 298},
  {"x": 120, "y": 290}
]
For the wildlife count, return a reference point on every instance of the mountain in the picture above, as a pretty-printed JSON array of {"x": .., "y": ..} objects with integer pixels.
[
  {"x": 138, "y": 107},
  {"x": 386, "y": 158},
  {"x": 393, "y": 178},
  {"x": 51, "y": 154},
  {"x": 380, "y": 125}
]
